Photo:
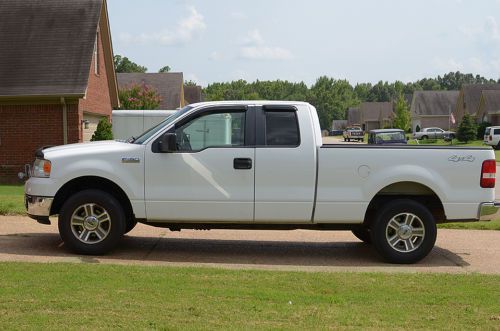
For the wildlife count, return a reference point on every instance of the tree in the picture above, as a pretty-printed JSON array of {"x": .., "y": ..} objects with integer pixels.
[
  {"x": 104, "y": 131},
  {"x": 467, "y": 130},
  {"x": 139, "y": 97},
  {"x": 417, "y": 128},
  {"x": 481, "y": 128},
  {"x": 402, "y": 120},
  {"x": 164, "y": 69},
  {"x": 123, "y": 64},
  {"x": 190, "y": 83}
]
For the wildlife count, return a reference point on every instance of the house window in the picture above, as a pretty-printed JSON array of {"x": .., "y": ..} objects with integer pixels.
[{"x": 96, "y": 54}]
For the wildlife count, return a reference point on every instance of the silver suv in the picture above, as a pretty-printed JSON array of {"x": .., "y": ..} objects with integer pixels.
[{"x": 492, "y": 136}]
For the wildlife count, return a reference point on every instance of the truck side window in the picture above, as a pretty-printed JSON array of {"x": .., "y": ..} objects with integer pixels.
[
  {"x": 282, "y": 128},
  {"x": 225, "y": 129}
]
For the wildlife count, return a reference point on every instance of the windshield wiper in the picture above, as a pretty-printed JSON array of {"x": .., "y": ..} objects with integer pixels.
[{"x": 131, "y": 140}]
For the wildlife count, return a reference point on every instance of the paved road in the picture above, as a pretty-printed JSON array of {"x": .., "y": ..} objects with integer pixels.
[{"x": 456, "y": 251}]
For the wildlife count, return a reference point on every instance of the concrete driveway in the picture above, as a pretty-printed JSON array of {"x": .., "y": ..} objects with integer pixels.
[{"x": 456, "y": 251}]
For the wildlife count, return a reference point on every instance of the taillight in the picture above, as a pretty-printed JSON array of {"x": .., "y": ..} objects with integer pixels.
[
  {"x": 488, "y": 174},
  {"x": 491, "y": 138}
]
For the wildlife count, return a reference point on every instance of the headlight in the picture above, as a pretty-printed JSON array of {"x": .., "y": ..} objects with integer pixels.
[{"x": 41, "y": 168}]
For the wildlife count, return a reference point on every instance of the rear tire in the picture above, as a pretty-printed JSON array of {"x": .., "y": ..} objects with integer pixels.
[
  {"x": 404, "y": 231},
  {"x": 91, "y": 222},
  {"x": 363, "y": 234},
  {"x": 425, "y": 137}
]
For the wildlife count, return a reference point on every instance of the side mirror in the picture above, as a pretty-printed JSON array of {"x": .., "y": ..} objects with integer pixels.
[{"x": 168, "y": 143}]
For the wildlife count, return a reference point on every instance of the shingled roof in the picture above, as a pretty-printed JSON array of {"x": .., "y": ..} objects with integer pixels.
[
  {"x": 489, "y": 104},
  {"x": 47, "y": 46},
  {"x": 193, "y": 94},
  {"x": 433, "y": 103},
  {"x": 169, "y": 85},
  {"x": 353, "y": 116},
  {"x": 472, "y": 95},
  {"x": 376, "y": 111}
]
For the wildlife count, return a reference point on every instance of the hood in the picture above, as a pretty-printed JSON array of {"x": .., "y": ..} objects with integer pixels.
[{"x": 97, "y": 147}]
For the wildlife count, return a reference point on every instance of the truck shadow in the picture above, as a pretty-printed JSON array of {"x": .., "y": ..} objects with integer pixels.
[{"x": 48, "y": 247}]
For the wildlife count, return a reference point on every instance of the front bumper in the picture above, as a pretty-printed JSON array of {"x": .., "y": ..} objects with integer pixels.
[
  {"x": 489, "y": 211},
  {"x": 38, "y": 208}
]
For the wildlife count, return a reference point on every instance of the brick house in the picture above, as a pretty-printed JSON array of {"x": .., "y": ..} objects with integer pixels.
[
  {"x": 57, "y": 76},
  {"x": 376, "y": 115},
  {"x": 489, "y": 107},
  {"x": 432, "y": 109},
  {"x": 469, "y": 99}
]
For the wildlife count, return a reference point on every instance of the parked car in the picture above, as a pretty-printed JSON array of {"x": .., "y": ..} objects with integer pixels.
[
  {"x": 336, "y": 132},
  {"x": 492, "y": 136},
  {"x": 433, "y": 133},
  {"x": 354, "y": 133},
  {"x": 387, "y": 137},
  {"x": 258, "y": 165}
]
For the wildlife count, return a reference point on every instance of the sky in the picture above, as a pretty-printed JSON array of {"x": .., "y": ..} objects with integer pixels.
[{"x": 358, "y": 40}]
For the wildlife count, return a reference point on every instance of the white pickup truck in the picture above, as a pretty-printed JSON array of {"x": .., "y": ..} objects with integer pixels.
[{"x": 258, "y": 165}]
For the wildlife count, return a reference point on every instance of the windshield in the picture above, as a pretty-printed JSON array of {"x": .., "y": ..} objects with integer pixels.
[
  {"x": 390, "y": 136},
  {"x": 151, "y": 132}
]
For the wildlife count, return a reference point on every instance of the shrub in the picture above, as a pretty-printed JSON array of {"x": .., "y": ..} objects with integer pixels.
[
  {"x": 417, "y": 128},
  {"x": 481, "y": 128},
  {"x": 103, "y": 131},
  {"x": 139, "y": 97},
  {"x": 467, "y": 129}
]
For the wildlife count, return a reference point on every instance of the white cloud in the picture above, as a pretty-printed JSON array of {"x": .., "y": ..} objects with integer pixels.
[
  {"x": 239, "y": 16},
  {"x": 255, "y": 48},
  {"x": 483, "y": 42},
  {"x": 215, "y": 56},
  {"x": 447, "y": 65},
  {"x": 185, "y": 31},
  {"x": 265, "y": 53}
]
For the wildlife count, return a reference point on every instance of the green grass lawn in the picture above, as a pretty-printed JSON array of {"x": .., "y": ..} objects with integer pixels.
[
  {"x": 89, "y": 296},
  {"x": 12, "y": 200}
]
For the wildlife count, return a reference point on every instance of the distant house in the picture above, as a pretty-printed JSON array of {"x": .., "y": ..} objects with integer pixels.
[
  {"x": 353, "y": 116},
  {"x": 489, "y": 107},
  {"x": 57, "y": 76},
  {"x": 376, "y": 115},
  {"x": 339, "y": 124},
  {"x": 192, "y": 94},
  {"x": 469, "y": 98},
  {"x": 432, "y": 109},
  {"x": 170, "y": 86}
]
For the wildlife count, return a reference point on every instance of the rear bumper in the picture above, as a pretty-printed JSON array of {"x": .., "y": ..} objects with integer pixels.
[{"x": 489, "y": 211}]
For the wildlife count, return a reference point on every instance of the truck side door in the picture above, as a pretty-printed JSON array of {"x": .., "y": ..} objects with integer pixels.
[
  {"x": 210, "y": 178},
  {"x": 285, "y": 168}
]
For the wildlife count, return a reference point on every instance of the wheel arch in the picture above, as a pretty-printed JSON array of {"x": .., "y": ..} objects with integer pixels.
[
  {"x": 406, "y": 190},
  {"x": 92, "y": 182}
]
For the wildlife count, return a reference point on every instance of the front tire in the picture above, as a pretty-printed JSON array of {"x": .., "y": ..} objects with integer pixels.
[
  {"x": 91, "y": 222},
  {"x": 404, "y": 231}
]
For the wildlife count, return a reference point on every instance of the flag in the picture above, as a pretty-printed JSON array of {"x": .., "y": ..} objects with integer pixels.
[{"x": 452, "y": 118}]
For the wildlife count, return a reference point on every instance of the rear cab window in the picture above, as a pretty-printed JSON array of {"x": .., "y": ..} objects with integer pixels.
[{"x": 281, "y": 128}]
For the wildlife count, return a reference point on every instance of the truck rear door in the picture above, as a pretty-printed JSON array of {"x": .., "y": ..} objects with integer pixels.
[{"x": 285, "y": 164}]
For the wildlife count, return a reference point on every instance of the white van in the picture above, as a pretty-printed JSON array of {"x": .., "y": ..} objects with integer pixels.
[{"x": 492, "y": 136}]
